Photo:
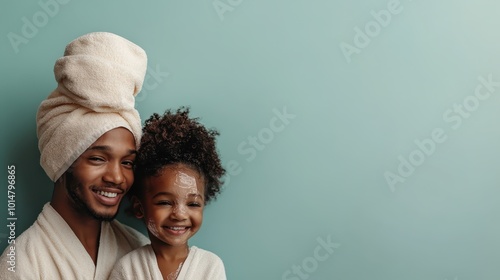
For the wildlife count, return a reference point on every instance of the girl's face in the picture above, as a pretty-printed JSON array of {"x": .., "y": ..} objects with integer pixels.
[{"x": 172, "y": 205}]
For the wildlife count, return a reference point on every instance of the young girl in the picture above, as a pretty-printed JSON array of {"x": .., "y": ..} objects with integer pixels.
[{"x": 177, "y": 172}]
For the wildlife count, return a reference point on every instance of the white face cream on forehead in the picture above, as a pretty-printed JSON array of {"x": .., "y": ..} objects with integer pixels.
[
  {"x": 184, "y": 180},
  {"x": 186, "y": 188}
]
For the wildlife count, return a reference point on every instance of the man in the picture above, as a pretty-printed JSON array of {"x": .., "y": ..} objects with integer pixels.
[{"x": 88, "y": 132}]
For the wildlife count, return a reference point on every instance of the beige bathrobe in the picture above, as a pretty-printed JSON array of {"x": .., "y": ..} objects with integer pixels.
[
  {"x": 141, "y": 264},
  {"x": 50, "y": 250}
]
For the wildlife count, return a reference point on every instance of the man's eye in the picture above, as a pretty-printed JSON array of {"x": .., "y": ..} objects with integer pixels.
[
  {"x": 128, "y": 163},
  {"x": 96, "y": 159}
]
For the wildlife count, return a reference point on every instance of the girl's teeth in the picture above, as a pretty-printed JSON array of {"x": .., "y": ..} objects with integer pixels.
[
  {"x": 107, "y": 194},
  {"x": 177, "y": 228}
]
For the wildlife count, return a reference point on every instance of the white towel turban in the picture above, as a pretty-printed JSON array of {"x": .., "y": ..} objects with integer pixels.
[{"x": 98, "y": 78}]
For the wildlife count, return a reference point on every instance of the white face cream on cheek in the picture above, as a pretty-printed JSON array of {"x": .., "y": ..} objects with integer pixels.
[{"x": 152, "y": 227}]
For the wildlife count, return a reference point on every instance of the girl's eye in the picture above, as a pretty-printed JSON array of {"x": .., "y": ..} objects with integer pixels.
[
  {"x": 163, "y": 202},
  {"x": 194, "y": 204}
]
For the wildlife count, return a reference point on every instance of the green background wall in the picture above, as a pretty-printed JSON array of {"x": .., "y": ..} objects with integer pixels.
[{"x": 389, "y": 150}]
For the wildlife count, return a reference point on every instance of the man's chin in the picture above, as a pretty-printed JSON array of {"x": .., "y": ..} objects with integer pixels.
[
  {"x": 104, "y": 217},
  {"x": 102, "y": 214}
]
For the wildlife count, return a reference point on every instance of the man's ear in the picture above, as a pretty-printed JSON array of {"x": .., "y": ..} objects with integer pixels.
[
  {"x": 61, "y": 182},
  {"x": 137, "y": 206}
]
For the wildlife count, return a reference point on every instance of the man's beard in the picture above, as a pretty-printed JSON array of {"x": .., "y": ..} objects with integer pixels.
[{"x": 72, "y": 186}]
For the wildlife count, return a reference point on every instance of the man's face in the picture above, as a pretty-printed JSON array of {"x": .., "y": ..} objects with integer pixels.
[{"x": 100, "y": 177}]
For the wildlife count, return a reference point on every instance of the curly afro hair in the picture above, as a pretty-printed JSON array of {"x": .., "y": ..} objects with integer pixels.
[{"x": 175, "y": 138}]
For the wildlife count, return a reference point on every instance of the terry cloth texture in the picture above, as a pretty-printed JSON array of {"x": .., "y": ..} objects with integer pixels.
[
  {"x": 49, "y": 249},
  {"x": 98, "y": 78},
  {"x": 141, "y": 264}
]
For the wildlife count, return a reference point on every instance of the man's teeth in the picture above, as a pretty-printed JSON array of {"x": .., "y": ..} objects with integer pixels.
[{"x": 107, "y": 194}]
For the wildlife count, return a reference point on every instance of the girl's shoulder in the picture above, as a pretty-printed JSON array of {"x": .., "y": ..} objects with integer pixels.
[
  {"x": 140, "y": 261},
  {"x": 143, "y": 251},
  {"x": 139, "y": 255},
  {"x": 202, "y": 264},
  {"x": 202, "y": 255}
]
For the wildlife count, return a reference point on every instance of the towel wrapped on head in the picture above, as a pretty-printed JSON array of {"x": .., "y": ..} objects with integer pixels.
[{"x": 98, "y": 78}]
